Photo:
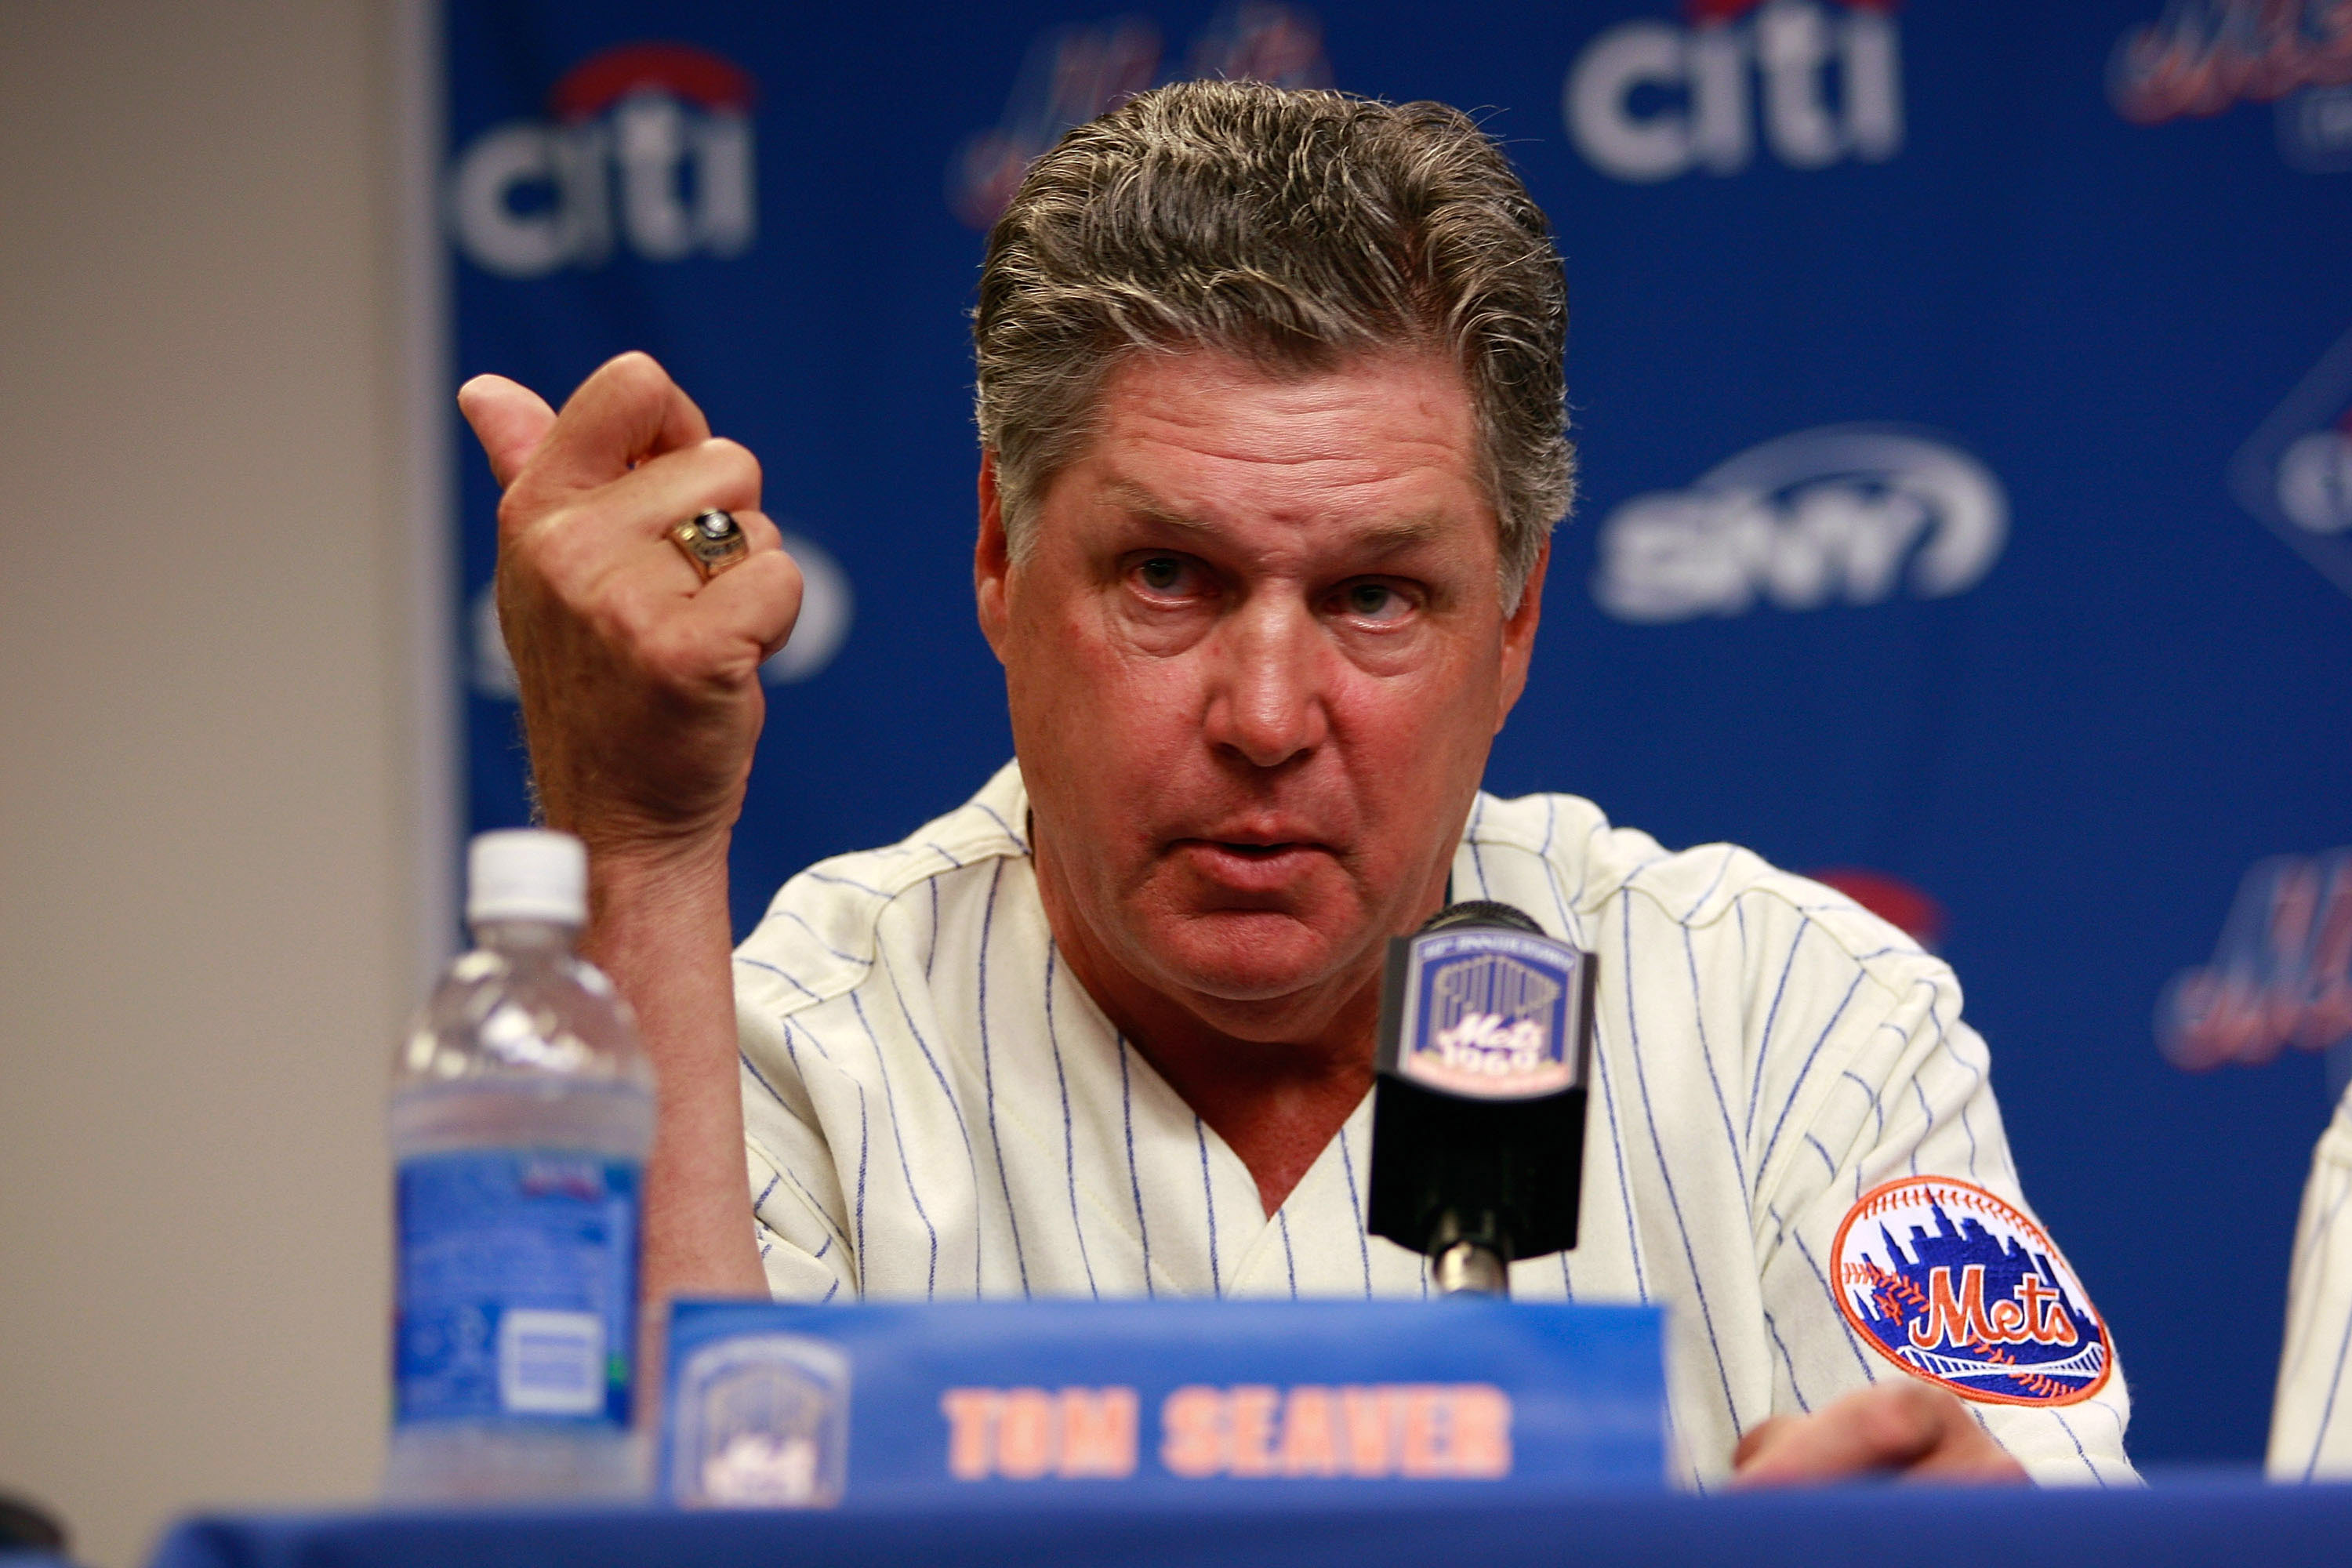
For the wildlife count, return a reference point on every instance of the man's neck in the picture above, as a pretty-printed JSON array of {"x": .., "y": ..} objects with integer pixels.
[{"x": 1276, "y": 1104}]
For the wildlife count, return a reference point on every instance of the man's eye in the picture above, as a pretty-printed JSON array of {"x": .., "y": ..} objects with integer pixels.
[
  {"x": 1161, "y": 574},
  {"x": 1373, "y": 602}
]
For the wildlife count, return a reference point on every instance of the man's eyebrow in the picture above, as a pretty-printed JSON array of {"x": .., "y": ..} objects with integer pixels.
[
  {"x": 1390, "y": 537},
  {"x": 1137, "y": 501}
]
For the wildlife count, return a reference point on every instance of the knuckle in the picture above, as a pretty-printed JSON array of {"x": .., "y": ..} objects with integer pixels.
[
  {"x": 732, "y": 464},
  {"x": 636, "y": 370},
  {"x": 515, "y": 514},
  {"x": 1907, "y": 1416}
]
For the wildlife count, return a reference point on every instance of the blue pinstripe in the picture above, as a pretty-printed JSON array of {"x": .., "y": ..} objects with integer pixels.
[
  {"x": 1134, "y": 1177},
  {"x": 781, "y": 976},
  {"x": 1943, "y": 1039},
  {"x": 906, "y": 1169},
  {"x": 1018, "y": 842},
  {"x": 1289, "y": 1262},
  {"x": 1764, "y": 1045},
  {"x": 971, "y": 1160},
  {"x": 1928, "y": 1111},
  {"x": 1070, "y": 1138},
  {"x": 832, "y": 1226},
  {"x": 815, "y": 876},
  {"x": 1787, "y": 1360},
  {"x": 988, "y": 1080},
  {"x": 2066, "y": 1426},
  {"x": 861, "y": 1181},
  {"x": 1356, "y": 1202},
  {"x": 1608, "y": 1109},
  {"x": 801, "y": 920},
  {"x": 1714, "y": 1079},
  {"x": 760, "y": 1079},
  {"x": 1804, "y": 1072},
  {"x": 1674, "y": 1201},
  {"x": 2335, "y": 1383},
  {"x": 1208, "y": 1199},
  {"x": 1878, "y": 1133},
  {"x": 931, "y": 953},
  {"x": 1700, "y": 902},
  {"x": 1789, "y": 1233}
]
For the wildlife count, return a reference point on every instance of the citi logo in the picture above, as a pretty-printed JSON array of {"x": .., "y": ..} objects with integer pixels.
[
  {"x": 648, "y": 146},
  {"x": 1650, "y": 100},
  {"x": 1843, "y": 514}
]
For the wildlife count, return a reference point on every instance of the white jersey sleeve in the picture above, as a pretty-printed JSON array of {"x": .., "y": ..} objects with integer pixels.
[
  {"x": 2311, "y": 1415},
  {"x": 1878, "y": 1142}
]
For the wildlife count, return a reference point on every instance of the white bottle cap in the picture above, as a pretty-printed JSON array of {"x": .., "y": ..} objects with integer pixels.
[{"x": 527, "y": 874}]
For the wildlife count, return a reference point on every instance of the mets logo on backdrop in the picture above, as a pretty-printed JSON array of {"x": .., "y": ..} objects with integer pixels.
[
  {"x": 2199, "y": 57},
  {"x": 1954, "y": 1285},
  {"x": 1075, "y": 73},
  {"x": 2281, "y": 975},
  {"x": 1491, "y": 1014}
]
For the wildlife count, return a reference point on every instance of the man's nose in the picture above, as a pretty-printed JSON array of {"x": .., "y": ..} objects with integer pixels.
[{"x": 1267, "y": 696}]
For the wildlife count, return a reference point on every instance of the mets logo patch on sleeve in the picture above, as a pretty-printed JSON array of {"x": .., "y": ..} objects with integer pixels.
[{"x": 1954, "y": 1285}]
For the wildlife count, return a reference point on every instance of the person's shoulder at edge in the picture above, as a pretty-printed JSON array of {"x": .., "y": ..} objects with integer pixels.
[
  {"x": 820, "y": 935},
  {"x": 1703, "y": 886}
]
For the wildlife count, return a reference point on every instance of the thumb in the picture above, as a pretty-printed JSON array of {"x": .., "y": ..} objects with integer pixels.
[{"x": 509, "y": 420}]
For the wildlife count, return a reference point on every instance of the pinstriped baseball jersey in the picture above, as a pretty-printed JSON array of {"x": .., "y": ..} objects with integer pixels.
[
  {"x": 935, "y": 1108},
  {"x": 2311, "y": 1416}
]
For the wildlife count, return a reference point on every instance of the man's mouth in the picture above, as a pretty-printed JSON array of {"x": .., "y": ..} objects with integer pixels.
[{"x": 1250, "y": 865}]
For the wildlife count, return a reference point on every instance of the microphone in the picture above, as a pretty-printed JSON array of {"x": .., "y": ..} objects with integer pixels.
[{"x": 1478, "y": 1117}]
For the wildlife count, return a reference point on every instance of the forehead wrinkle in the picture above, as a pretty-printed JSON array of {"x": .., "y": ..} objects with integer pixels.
[{"x": 1390, "y": 536}]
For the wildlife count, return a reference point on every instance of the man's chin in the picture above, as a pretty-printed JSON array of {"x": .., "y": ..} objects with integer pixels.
[{"x": 1256, "y": 961}]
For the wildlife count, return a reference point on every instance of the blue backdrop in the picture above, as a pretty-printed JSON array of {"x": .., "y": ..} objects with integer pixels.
[{"x": 1965, "y": 393}]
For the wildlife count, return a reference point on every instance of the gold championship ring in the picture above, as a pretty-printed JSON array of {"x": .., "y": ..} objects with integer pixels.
[{"x": 712, "y": 540}]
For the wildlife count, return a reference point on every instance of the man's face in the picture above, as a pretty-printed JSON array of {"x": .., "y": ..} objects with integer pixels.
[{"x": 1255, "y": 659}]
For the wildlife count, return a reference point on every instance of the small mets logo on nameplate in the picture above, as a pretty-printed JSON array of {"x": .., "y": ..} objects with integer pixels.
[
  {"x": 1491, "y": 1014},
  {"x": 761, "y": 1421},
  {"x": 1954, "y": 1285}
]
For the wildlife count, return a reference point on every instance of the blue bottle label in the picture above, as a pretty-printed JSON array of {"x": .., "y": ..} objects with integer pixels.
[{"x": 516, "y": 1288}]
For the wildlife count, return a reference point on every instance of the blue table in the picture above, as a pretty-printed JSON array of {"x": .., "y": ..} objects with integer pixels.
[{"x": 1906, "y": 1527}]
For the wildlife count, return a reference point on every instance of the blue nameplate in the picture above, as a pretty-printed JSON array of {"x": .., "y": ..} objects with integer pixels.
[{"x": 1069, "y": 1402}]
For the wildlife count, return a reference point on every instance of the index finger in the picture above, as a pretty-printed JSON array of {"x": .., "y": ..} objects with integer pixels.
[{"x": 628, "y": 411}]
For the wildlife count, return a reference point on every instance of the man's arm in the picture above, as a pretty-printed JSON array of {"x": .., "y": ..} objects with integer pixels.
[
  {"x": 1888, "y": 1085},
  {"x": 640, "y": 705},
  {"x": 2311, "y": 1415}
]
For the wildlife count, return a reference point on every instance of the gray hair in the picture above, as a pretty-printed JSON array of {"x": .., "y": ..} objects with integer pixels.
[{"x": 1295, "y": 228}]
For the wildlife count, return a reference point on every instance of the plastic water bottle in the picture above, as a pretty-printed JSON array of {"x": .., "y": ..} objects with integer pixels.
[{"x": 521, "y": 1113}]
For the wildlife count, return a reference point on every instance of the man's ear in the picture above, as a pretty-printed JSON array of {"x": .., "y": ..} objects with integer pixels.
[
  {"x": 1519, "y": 637},
  {"x": 992, "y": 559}
]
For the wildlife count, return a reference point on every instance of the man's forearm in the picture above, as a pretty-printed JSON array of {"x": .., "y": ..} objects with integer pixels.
[{"x": 659, "y": 928}]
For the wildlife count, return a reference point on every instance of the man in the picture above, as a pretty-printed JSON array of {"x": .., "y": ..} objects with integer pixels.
[
  {"x": 2311, "y": 1413},
  {"x": 1273, "y": 436}
]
